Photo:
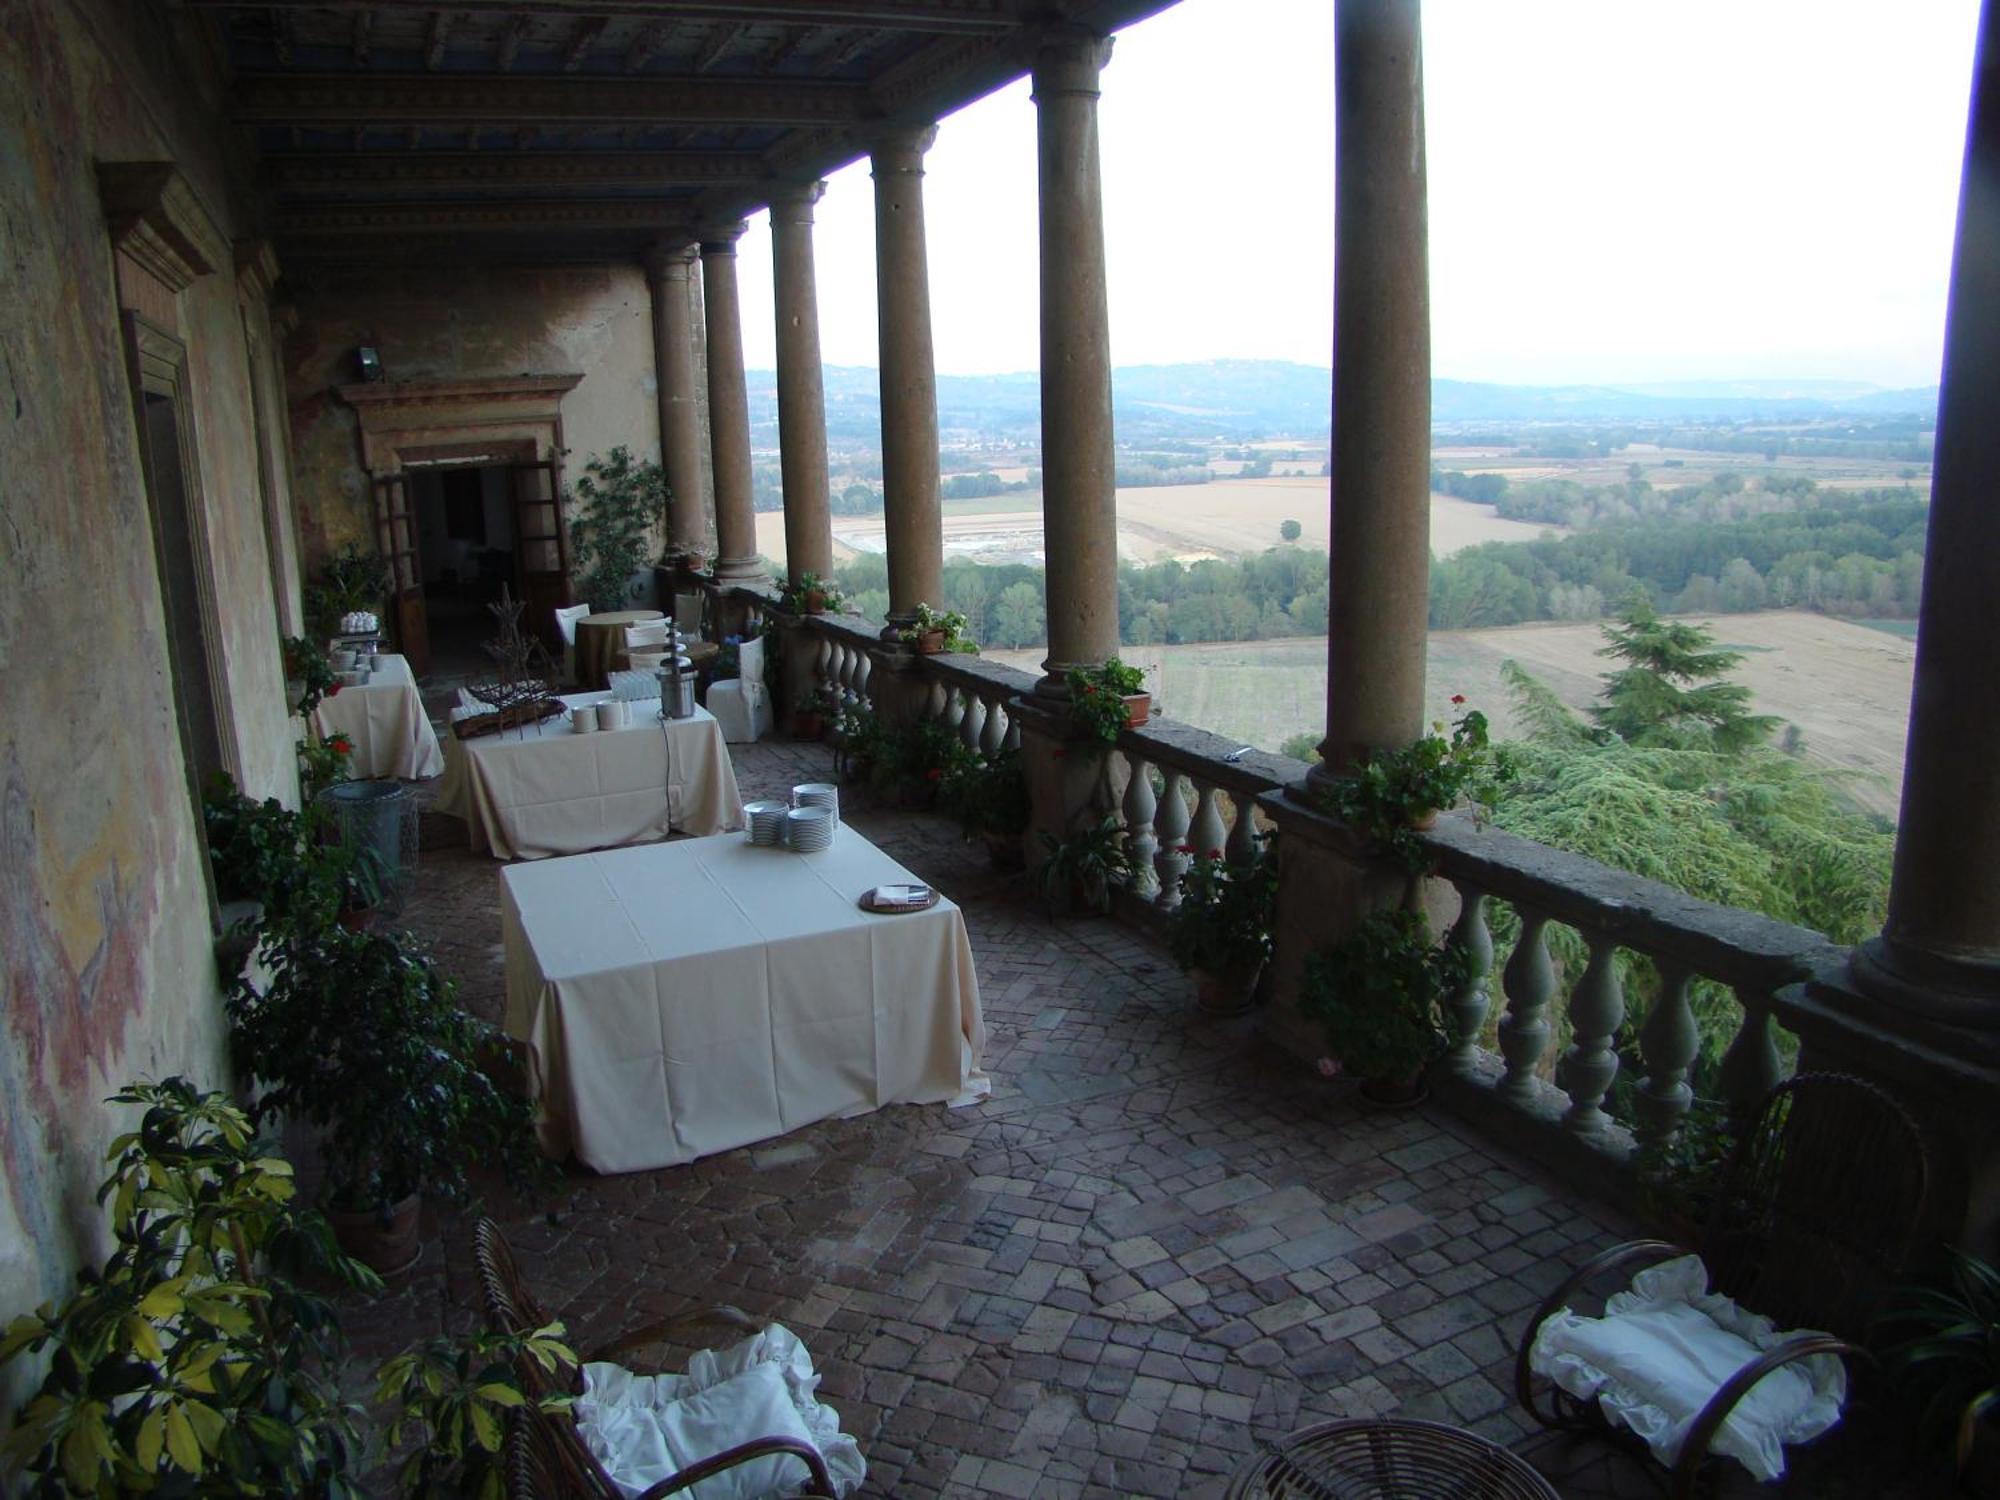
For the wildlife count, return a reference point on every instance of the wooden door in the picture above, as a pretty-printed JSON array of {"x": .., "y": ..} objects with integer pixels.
[
  {"x": 396, "y": 535},
  {"x": 541, "y": 550}
]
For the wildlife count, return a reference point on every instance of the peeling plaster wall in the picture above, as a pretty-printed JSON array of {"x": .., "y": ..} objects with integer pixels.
[
  {"x": 461, "y": 324},
  {"x": 106, "y": 972}
]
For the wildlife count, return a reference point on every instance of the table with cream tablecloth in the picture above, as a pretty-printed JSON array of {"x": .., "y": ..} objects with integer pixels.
[
  {"x": 385, "y": 722},
  {"x": 600, "y": 643},
  {"x": 544, "y": 789},
  {"x": 687, "y": 998}
]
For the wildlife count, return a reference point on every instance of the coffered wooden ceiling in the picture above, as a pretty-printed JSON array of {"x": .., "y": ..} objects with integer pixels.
[{"x": 590, "y": 130}]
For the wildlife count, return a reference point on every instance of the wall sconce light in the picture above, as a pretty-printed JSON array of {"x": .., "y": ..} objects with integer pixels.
[{"x": 370, "y": 362}]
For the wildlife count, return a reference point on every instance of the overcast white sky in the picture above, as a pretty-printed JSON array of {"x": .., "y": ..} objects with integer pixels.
[{"x": 1619, "y": 190}]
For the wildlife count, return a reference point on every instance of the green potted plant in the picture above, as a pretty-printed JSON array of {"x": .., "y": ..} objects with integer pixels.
[
  {"x": 192, "y": 1362},
  {"x": 322, "y": 762},
  {"x": 1107, "y": 700},
  {"x": 275, "y": 869},
  {"x": 914, "y": 761},
  {"x": 352, "y": 580},
  {"x": 859, "y": 742},
  {"x": 934, "y": 632},
  {"x": 812, "y": 714},
  {"x": 449, "y": 1399},
  {"x": 1396, "y": 794},
  {"x": 623, "y": 501},
  {"x": 1942, "y": 1341},
  {"x": 809, "y": 594},
  {"x": 360, "y": 1035},
  {"x": 1077, "y": 872},
  {"x": 1378, "y": 994},
  {"x": 1679, "y": 1176},
  {"x": 1221, "y": 931},
  {"x": 309, "y": 676},
  {"x": 990, "y": 800}
]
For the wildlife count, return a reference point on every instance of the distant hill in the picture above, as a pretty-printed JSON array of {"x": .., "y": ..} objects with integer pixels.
[{"x": 1252, "y": 398}]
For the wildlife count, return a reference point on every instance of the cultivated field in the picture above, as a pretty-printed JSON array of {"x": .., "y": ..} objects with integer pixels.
[
  {"x": 1225, "y": 518},
  {"x": 1847, "y": 687},
  {"x": 1668, "y": 468}
]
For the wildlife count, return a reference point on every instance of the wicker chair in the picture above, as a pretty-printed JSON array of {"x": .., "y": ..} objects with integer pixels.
[
  {"x": 1817, "y": 1209},
  {"x": 546, "y": 1457}
]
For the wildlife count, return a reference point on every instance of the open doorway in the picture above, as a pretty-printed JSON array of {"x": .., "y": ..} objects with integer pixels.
[{"x": 466, "y": 547}]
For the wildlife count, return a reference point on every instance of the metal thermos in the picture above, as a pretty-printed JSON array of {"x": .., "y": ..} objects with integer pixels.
[{"x": 677, "y": 692}]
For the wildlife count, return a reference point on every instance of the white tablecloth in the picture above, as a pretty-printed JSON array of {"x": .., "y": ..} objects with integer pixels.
[
  {"x": 385, "y": 723},
  {"x": 529, "y": 793},
  {"x": 686, "y": 998}
]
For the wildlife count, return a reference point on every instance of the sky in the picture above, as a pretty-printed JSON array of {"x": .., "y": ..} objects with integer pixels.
[{"x": 1620, "y": 190}]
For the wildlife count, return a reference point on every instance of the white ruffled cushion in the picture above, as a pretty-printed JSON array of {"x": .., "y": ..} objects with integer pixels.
[
  {"x": 642, "y": 1428},
  {"x": 1663, "y": 1348}
]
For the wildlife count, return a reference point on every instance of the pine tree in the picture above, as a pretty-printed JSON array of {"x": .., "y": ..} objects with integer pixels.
[{"x": 1668, "y": 694}]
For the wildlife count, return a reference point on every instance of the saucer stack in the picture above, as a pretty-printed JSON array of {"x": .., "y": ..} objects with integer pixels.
[
  {"x": 818, "y": 794},
  {"x": 767, "y": 822},
  {"x": 809, "y": 829}
]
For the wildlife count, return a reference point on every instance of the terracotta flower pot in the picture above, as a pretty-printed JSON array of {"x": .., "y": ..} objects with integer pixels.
[
  {"x": 1226, "y": 992},
  {"x": 1004, "y": 851},
  {"x": 807, "y": 726},
  {"x": 1138, "y": 706},
  {"x": 930, "y": 643},
  {"x": 813, "y": 602},
  {"x": 1425, "y": 820},
  {"x": 1396, "y": 1093},
  {"x": 386, "y": 1244}
]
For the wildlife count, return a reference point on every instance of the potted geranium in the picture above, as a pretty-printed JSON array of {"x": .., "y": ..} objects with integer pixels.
[
  {"x": 809, "y": 594},
  {"x": 309, "y": 676},
  {"x": 1107, "y": 700},
  {"x": 811, "y": 715},
  {"x": 1079, "y": 870},
  {"x": 1379, "y": 993},
  {"x": 1396, "y": 794},
  {"x": 1221, "y": 931},
  {"x": 990, "y": 799},
  {"x": 360, "y": 1035},
  {"x": 936, "y": 631}
]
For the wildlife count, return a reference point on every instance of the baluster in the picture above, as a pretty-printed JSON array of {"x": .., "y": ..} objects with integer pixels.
[
  {"x": 1668, "y": 1042},
  {"x": 864, "y": 668},
  {"x": 1207, "y": 833},
  {"x": 823, "y": 678},
  {"x": 971, "y": 721},
  {"x": 1141, "y": 842},
  {"x": 1751, "y": 1067},
  {"x": 1013, "y": 737},
  {"x": 992, "y": 733},
  {"x": 1104, "y": 793},
  {"x": 944, "y": 705},
  {"x": 1468, "y": 1006},
  {"x": 1171, "y": 826},
  {"x": 1530, "y": 981},
  {"x": 1596, "y": 1009},
  {"x": 851, "y": 663},
  {"x": 1241, "y": 850}
]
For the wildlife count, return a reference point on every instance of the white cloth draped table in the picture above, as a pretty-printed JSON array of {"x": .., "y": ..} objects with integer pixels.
[
  {"x": 544, "y": 789},
  {"x": 385, "y": 722},
  {"x": 687, "y": 998}
]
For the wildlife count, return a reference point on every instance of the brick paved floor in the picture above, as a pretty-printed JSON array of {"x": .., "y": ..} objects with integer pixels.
[{"x": 1157, "y": 1245}]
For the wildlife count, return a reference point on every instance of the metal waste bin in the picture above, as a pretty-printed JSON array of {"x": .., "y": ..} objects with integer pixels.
[{"x": 379, "y": 820}]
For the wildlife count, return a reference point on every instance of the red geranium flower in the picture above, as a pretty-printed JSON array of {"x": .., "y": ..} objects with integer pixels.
[
  {"x": 332, "y": 690},
  {"x": 1458, "y": 697},
  {"x": 935, "y": 773},
  {"x": 340, "y": 745}
]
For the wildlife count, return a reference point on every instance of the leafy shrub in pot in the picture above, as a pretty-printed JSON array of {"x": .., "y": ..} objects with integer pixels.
[
  {"x": 1221, "y": 931},
  {"x": 1379, "y": 994}
]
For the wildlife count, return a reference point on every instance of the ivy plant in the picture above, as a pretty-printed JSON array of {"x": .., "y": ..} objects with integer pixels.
[{"x": 622, "y": 505}]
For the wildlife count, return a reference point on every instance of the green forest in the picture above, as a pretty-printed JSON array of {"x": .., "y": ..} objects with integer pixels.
[{"x": 1722, "y": 547}]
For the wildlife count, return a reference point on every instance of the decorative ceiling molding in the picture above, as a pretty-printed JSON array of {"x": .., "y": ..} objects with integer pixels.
[
  {"x": 881, "y": 15},
  {"x": 529, "y": 214},
  {"x": 341, "y": 99},
  {"x": 449, "y": 171},
  {"x": 155, "y": 218}
]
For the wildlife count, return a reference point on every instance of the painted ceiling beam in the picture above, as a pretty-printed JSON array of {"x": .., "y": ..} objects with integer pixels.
[
  {"x": 961, "y": 16},
  {"x": 447, "y": 99},
  {"x": 446, "y": 171},
  {"x": 523, "y": 216}
]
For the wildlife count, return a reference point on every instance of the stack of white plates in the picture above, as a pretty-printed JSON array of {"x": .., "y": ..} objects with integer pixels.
[
  {"x": 767, "y": 822},
  {"x": 818, "y": 794},
  {"x": 809, "y": 829}
]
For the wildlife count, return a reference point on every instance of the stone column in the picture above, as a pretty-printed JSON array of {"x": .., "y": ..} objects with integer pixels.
[
  {"x": 909, "y": 377},
  {"x": 728, "y": 409},
  {"x": 801, "y": 385},
  {"x": 1939, "y": 953},
  {"x": 1079, "y": 499},
  {"x": 1379, "y": 568},
  {"x": 680, "y": 414}
]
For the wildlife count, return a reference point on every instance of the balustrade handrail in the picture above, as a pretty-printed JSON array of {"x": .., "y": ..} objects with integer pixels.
[
  {"x": 1744, "y": 949},
  {"x": 1208, "y": 756}
]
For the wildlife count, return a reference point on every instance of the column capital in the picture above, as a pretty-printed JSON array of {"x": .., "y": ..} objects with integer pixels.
[
  {"x": 792, "y": 202},
  {"x": 1068, "y": 60},
  {"x": 901, "y": 150},
  {"x": 665, "y": 262},
  {"x": 720, "y": 239}
]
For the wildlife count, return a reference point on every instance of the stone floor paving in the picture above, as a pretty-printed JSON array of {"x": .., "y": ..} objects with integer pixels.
[{"x": 1158, "y": 1244}]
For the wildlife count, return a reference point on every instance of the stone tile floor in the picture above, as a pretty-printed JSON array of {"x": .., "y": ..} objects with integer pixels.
[{"x": 1158, "y": 1245}]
